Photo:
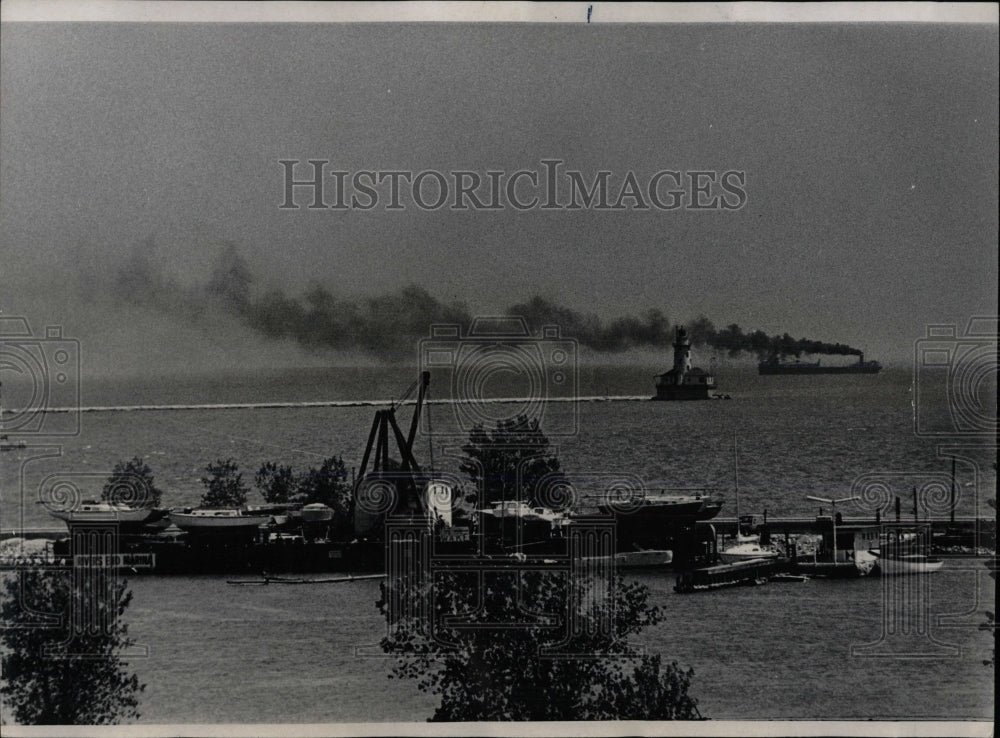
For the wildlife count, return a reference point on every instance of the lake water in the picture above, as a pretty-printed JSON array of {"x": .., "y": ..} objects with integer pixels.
[{"x": 219, "y": 653}]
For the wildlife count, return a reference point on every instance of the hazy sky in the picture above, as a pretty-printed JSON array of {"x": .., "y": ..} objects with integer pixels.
[{"x": 870, "y": 154}]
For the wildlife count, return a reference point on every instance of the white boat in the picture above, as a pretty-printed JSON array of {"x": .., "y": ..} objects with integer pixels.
[
  {"x": 905, "y": 563},
  {"x": 524, "y": 511},
  {"x": 315, "y": 512},
  {"x": 644, "y": 559},
  {"x": 206, "y": 520},
  {"x": 745, "y": 548},
  {"x": 104, "y": 512}
]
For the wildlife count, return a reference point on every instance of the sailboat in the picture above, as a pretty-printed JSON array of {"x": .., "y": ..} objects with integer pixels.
[{"x": 743, "y": 548}]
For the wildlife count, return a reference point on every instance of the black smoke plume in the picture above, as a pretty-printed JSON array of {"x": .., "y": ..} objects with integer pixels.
[{"x": 389, "y": 325}]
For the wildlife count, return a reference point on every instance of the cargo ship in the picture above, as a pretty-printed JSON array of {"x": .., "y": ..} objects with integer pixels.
[{"x": 775, "y": 366}]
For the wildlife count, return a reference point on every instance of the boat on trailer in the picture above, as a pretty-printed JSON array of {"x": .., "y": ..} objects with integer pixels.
[
  {"x": 93, "y": 512},
  {"x": 211, "y": 520}
]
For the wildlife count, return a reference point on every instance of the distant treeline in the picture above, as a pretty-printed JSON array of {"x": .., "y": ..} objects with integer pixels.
[{"x": 391, "y": 324}]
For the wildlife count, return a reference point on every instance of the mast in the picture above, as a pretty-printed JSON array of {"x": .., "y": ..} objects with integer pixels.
[{"x": 736, "y": 472}]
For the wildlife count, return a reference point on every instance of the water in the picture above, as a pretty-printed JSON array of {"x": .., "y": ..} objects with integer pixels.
[{"x": 219, "y": 653}]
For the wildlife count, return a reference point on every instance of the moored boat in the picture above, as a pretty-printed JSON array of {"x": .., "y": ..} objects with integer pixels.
[
  {"x": 315, "y": 512},
  {"x": 209, "y": 520},
  {"x": 687, "y": 508},
  {"x": 654, "y": 520},
  {"x": 893, "y": 564},
  {"x": 93, "y": 512},
  {"x": 743, "y": 547},
  {"x": 642, "y": 559},
  {"x": 746, "y": 548}
]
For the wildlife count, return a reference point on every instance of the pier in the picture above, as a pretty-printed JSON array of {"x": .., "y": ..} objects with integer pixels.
[{"x": 967, "y": 531}]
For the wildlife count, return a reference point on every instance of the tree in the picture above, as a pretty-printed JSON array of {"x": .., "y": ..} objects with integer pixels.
[
  {"x": 991, "y": 624},
  {"x": 224, "y": 485},
  {"x": 503, "y": 673},
  {"x": 327, "y": 485},
  {"x": 132, "y": 484},
  {"x": 508, "y": 462},
  {"x": 90, "y": 687},
  {"x": 277, "y": 483}
]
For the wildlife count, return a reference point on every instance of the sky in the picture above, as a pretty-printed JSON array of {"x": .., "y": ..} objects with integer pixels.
[{"x": 870, "y": 156}]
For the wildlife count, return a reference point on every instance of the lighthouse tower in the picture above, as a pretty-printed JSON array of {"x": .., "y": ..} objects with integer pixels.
[
  {"x": 683, "y": 382},
  {"x": 682, "y": 352}
]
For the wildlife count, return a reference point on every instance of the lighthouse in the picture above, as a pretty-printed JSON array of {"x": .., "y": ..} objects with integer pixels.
[
  {"x": 683, "y": 382},
  {"x": 682, "y": 352}
]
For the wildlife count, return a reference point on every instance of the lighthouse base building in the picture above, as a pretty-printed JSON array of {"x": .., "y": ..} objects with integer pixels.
[{"x": 683, "y": 382}]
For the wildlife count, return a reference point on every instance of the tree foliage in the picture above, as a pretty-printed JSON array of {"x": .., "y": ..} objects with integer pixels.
[
  {"x": 327, "y": 484},
  {"x": 508, "y": 461},
  {"x": 495, "y": 667},
  {"x": 132, "y": 484},
  {"x": 47, "y": 682},
  {"x": 991, "y": 623},
  {"x": 224, "y": 486},
  {"x": 277, "y": 483}
]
